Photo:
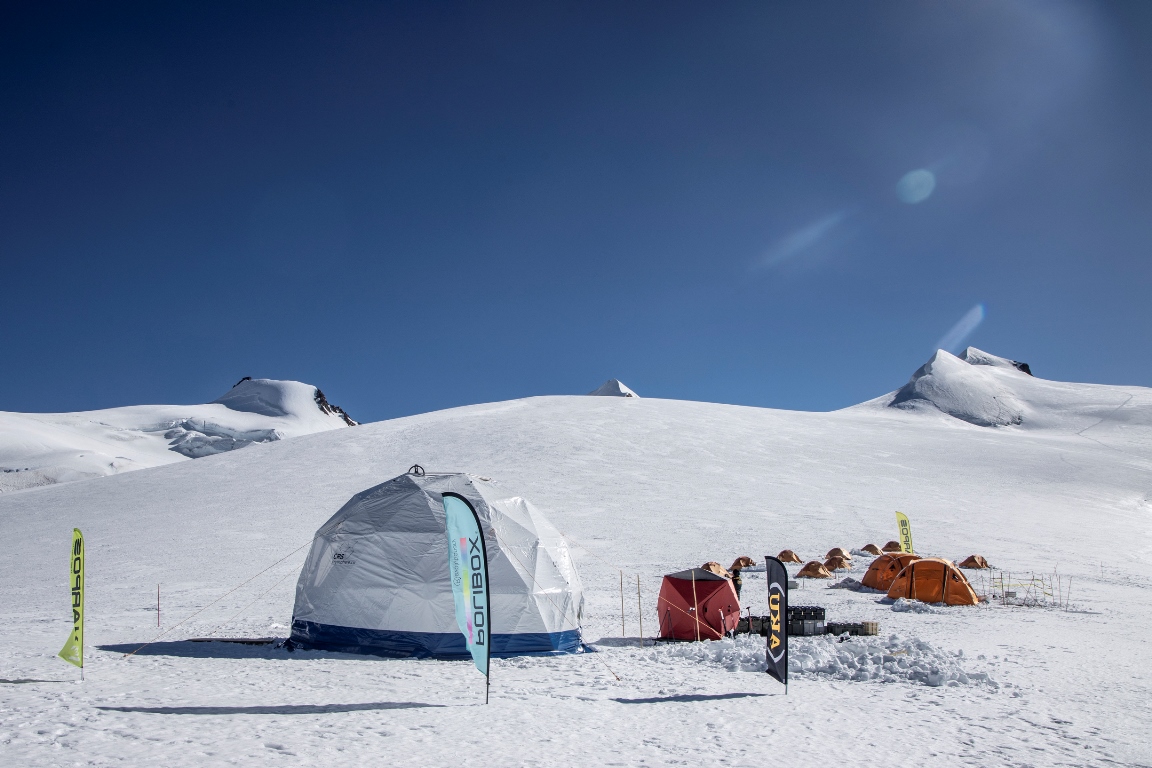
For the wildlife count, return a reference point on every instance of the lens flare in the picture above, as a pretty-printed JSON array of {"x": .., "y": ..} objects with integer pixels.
[
  {"x": 916, "y": 186},
  {"x": 960, "y": 332}
]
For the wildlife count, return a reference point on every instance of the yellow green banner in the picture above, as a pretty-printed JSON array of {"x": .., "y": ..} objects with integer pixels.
[
  {"x": 905, "y": 532},
  {"x": 73, "y": 651}
]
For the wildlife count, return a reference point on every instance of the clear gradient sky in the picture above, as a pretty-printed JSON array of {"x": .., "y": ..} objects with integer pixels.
[{"x": 422, "y": 205}]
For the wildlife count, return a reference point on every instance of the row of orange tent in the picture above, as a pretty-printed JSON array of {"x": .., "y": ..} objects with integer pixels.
[
  {"x": 903, "y": 574},
  {"x": 928, "y": 579}
]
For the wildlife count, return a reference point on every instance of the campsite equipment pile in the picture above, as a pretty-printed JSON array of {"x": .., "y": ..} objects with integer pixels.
[
  {"x": 862, "y": 628},
  {"x": 805, "y": 620}
]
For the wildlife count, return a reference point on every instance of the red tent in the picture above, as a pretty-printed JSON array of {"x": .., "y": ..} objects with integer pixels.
[{"x": 697, "y": 605}]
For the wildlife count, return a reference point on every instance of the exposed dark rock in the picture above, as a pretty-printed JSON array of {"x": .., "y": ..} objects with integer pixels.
[{"x": 334, "y": 410}]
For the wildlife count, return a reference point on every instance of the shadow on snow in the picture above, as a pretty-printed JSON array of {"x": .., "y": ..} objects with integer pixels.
[
  {"x": 282, "y": 709},
  {"x": 689, "y": 697},
  {"x": 224, "y": 650}
]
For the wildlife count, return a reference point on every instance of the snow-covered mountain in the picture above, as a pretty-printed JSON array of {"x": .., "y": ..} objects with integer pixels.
[
  {"x": 641, "y": 487},
  {"x": 613, "y": 388},
  {"x": 45, "y": 448},
  {"x": 991, "y": 391}
]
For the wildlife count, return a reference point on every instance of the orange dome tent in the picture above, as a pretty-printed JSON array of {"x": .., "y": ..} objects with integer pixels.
[
  {"x": 837, "y": 564},
  {"x": 975, "y": 561},
  {"x": 933, "y": 580},
  {"x": 839, "y": 552},
  {"x": 788, "y": 556},
  {"x": 814, "y": 570},
  {"x": 741, "y": 563},
  {"x": 893, "y": 546},
  {"x": 717, "y": 569},
  {"x": 886, "y": 568},
  {"x": 871, "y": 549}
]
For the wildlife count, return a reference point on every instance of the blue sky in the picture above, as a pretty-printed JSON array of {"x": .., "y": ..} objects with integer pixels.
[{"x": 423, "y": 205}]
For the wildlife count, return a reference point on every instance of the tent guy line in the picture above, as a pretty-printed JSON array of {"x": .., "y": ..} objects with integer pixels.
[
  {"x": 259, "y": 597},
  {"x": 238, "y": 586}
]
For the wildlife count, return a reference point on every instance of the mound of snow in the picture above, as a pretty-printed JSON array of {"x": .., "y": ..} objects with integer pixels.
[
  {"x": 990, "y": 391},
  {"x": 889, "y": 660},
  {"x": 613, "y": 388},
  {"x": 904, "y": 605},
  {"x": 46, "y": 448},
  {"x": 977, "y": 393},
  {"x": 860, "y": 659}
]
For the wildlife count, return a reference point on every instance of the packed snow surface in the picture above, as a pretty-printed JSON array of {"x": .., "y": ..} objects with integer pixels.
[
  {"x": 641, "y": 488},
  {"x": 45, "y": 448}
]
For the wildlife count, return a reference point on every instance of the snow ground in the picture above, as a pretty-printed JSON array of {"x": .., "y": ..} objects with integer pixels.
[{"x": 649, "y": 486}]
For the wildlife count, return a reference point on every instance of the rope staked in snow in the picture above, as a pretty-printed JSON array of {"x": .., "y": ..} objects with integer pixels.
[
  {"x": 238, "y": 586},
  {"x": 226, "y": 622}
]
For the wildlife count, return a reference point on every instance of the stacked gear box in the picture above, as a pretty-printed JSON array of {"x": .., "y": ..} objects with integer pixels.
[{"x": 804, "y": 620}]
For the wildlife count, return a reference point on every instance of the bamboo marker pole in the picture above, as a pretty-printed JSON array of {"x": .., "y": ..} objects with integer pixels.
[
  {"x": 640, "y": 610},
  {"x": 622, "y": 633},
  {"x": 157, "y": 605}
]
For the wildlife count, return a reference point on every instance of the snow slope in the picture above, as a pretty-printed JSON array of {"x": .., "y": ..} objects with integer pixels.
[
  {"x": 647, "y": 486},
  {"x": 45, "y": 448}
]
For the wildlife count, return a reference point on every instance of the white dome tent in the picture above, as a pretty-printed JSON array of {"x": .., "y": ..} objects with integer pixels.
[{"x": 376, "y": 580}]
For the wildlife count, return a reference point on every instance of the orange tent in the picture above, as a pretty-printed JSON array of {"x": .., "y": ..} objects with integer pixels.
[
  {"x": 871, "y": 549},
  {"x": 716, "y": 568},
  {"x": 814, "y": 570},
  {"x": 893, "y": 546},
  {"x": 837, "y": 564},
  {"x": 839, "y": 552},
  {"x": 788, "y": 556},
  {"x": 933, "y": 580},
  {"x": 975, "y": 561},
  {"x": 886, "y": 568},
  {"x": 741, "y": 563}
]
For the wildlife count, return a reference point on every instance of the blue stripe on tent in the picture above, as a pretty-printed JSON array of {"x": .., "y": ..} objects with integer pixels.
[{"x": 425, "y": 645}]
